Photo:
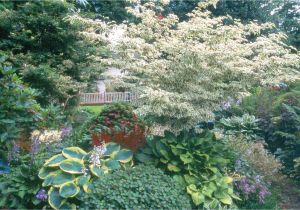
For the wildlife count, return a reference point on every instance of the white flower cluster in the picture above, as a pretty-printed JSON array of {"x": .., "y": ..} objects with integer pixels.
[
  {"x": 97, "y": 154},
  {"x": 46, "y": 136}
]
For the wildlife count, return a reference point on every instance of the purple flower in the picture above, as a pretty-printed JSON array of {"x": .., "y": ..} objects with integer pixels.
[
  {"x": 35, "y": 145},
  {"x": 226, "y": 105},
  {"x": 238, "y": 102},
  {"x": 42, "y": 195},
  {"x": 14, "y": 153},
  {"x": 65, "y": 131}
]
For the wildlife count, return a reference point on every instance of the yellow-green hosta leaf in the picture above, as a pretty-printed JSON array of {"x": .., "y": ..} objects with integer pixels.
[
  {"x": 186, "y": 158},
  {"x": 96, "y": 170},
  {"x": 74, "y": 153},
  {"x": 72, "y": 166},
  {"x": 173, "y": 168},
  {"x": 228, "y": 179},
  {"x": 54, "y": 161},
  {"x": 62, "y": 178},
  {"x": 44, "y": 172},
  {"x": 54, "y": 199},
  {"x": 197, "y": 198},
  {"x": 226, "y": 200},
  {"x": 68, "y": 190},
  {"x": 124, "y": 156},
  {"x": 87, "y": 188},
  {"x": 68, "y": 206},
  {"x": 190, "y": 179},
  {"x": 111, "y": 148}
]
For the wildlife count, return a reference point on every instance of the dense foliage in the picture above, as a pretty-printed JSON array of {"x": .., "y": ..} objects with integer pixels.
[
  {"x": 19, "y": 112},
  {"x": 46, "y": 49},
  {"x": 141, "y": 187},
  {"x": 171, "y": 64},
  {"x": 117, "y": 123},
  {"x": 278, "y": 112},
  {"x": 196, "y": 160}
]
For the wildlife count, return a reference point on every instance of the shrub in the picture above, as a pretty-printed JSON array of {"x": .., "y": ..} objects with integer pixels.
[
  {"x": 197, "y": 160},
  {"x": 19, "y": 187},
  {"x": 142, "y": 187},
  {"x": 19, "y": 112},
  {"x": 278, "y": 111},
  {"x": 118, "y": 123},
  {"x": 257, "y": 157}
]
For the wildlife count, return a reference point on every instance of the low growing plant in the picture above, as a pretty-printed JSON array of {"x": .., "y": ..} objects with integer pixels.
[
  {"x": 141, "y": 187},
  {"x": 198, "y": 161},
  {"x": 68, "y": 175},
  {"x": 117, "y": 123}
]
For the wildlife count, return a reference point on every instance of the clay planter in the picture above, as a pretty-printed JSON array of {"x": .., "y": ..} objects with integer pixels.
[{"x": 134, "y": 139}]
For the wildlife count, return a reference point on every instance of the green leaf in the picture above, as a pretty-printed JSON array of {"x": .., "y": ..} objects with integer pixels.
[
  {"x": 111, "y": 148},
  {"x": 96, "y": 170},
  {"x": 54, "y": 161},
  {"x": 197, "y": 198},
  {"x": 68, "y": 190},
  {"x": 144, "y": 158},
  {"x": 227, "y": 179},
  {"x": 68, "y": 206},
  {"x": 190, "y": 179},
  {"x": 55, "y": 200},
  {"x": 72, "y": 166},
  {"x": 74, "y": 153},
  {"x": 173, "y": 168},
  {"x": 82, "y": 180},
  {"x": 227, "y": 200},
  {"x": 186, "y": 158},
  {"x": 112, "y": 164},
  {"x": 124, "y": 156},
  {"x": 48, "y": 180},
  {"x": 44, "y": 172},
  {"x": 62, "y": 178},
  {"x": 162, "y": 150}
]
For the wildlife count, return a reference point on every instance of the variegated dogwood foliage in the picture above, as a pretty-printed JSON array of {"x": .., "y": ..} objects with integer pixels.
[{"x": 185, "y": 70}]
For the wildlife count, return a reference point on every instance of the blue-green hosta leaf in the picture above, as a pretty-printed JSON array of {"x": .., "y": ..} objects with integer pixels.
[
  {"x": 112, "y": 165},
  {"x": 74, "y": 153},
  {"x": 68, "y": 190},
  {"x": 54, "y": 161},
  {"x": 44, "y": 172},
  {"x": 68, "y": 206},
  {"x": 96, "y": 170},
  {"x": 82, "y": 180},
  {"x": 48, "y": 179},
  {"x": 54, "y": 199},
  {"x": 72, "y": 166},
  {"x": 124, "y": 156},
  {"x": 62, "y": 178},
  {"x": 111, "y": 148}
]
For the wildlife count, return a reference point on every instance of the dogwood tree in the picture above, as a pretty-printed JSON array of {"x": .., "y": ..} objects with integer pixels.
[{"x": 185, "y": 70}]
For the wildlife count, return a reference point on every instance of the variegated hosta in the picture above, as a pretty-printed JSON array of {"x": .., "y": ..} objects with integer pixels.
[{"x": 70, "y": 174}]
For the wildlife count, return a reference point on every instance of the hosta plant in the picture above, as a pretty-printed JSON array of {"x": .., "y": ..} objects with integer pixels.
[
  {"x": 197, "y": 160},
  {"x": 69, "y": 174}
]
